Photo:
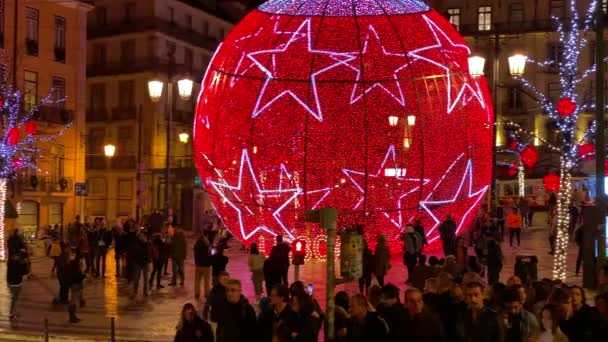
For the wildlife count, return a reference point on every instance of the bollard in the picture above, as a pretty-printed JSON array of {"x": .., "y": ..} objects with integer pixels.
[
  {"x": 113, "y": 330},
  {"x": 46, "y": 329}
]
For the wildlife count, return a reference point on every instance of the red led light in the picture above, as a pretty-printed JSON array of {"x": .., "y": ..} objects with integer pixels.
[{"x": 312, "y": 94}]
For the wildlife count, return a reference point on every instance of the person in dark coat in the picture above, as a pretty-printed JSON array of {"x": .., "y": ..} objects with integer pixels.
[
  {"x": 447, "y": 233},
  {"x": 119, "y": 249},
  {"x": 192, "y": 328},
  {"x": 179, "y": 252},
  {"x": 93, "y": 239},
  {"x": 236, "y": 319},
  {"x": 280, "y": 254},
  {"x": 494, "y": 258},
  {"x": 158, "y": 247},
  {"x": 15, "y": 243},
  {"x": 308, "y": 318},
  {"x": 368, "y": 265},
  {"x": 216, "y": 298},
  {"x": 419, "y": 324},
  {"x": 392, "y": 312},
  {"x": 419, "y": 228},
  {"x": 585, "y": 321},
  {"x": 15, "y": 270},
  {"x": 364, "y": 325},
  {"x": 277, "y": 321},
  {"x": 272, "y": 273},
  {"x": 75, "y": 278},
  {"x": 202, "y": 262},
  {"x": 218, "y": 264},
  {"x": 130, "y": 239},
  {"x": 104, "y": 243},
  {"x": 142, "y": 254},
  {"x": 479, "y": 323},
  {"x": 63, "y": 276}
]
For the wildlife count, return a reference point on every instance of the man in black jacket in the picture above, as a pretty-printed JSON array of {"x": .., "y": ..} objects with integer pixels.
[
  {"x": 364, "y": 325},
  {"x": 280, "y": 255},
  {"x": 202, "y": 260},
  {"x": 216, "y": 298},
  {"x": 393, "y": 312},
  {"x": 104, "y": 242},
  {"x": 479, "y": 323},
  {"x": 236, "y": 321},
  {"x": 419, "y": 323},
  {"x": 142, "y": 254}
]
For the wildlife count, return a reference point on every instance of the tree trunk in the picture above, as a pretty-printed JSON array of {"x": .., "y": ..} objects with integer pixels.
[
  {"x": 521, "y": 180},
  {"x": 3, "y": 184},
  {"x": 564, "y": 199}
]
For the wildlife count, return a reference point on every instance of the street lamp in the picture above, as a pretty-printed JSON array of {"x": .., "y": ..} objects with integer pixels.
[
  {"x": 184, "y": 137},
  {"x": 109, "y": 150},
  {"x": 393, "y": 120},
  {"x": 476, "y": 65},
  {"x": 517, "y": 65},
  {"x": 155, "y": 90},
  {"x": 411, "y": 120}
]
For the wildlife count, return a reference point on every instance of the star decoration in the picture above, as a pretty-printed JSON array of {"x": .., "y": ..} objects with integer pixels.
[
  {"x": 203, "y": 98},
  {"x": 381, "y": 186},
  {"x": 374, "y": 59},
  {"x": 286, "y": 177},
  {"x": 278, "y": 63},
  {"x": 248, "y": 217},
  {"x": 445, "y": 54},
  {"x": 464, "y": 194}
]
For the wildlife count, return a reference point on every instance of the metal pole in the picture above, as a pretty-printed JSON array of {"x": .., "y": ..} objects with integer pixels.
[
  {"x": 139, "y": 162},
  {"x": 168, "y": 161},
  {"x": 15, "y": 42},
  {"x": 112, "y": 330},
  {"x": 600, "y": 144},
  {"x": 296, "y": 273},
  {"x": 327, "y": 218},
  {"x": 495, "y": 72},
  {"x": 46, "y": 329}
]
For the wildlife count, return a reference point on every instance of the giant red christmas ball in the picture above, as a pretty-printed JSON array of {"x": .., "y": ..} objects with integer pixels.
[
  {"x": 551, "y": 182},
  {"x": 293, "y": 115},
  {"x": 529, "y": 156},
  {"x": 586, "y": 151}
]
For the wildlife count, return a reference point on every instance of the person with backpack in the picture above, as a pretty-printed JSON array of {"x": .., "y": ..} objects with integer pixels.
[{"x": 411, "y": 249}]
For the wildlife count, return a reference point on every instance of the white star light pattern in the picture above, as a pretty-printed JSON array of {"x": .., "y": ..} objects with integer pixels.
[
  {"x": 222, "y": 187},
  {"x": 313, "y": 108},
  {"x": 285, "y": 176},
  {"x": 440, "y": 38},
  {"x": 460, "y": 192},
  {"x": 390, "y": 155},
  {"x": 204, "y": 118},
  {"x": 396, "y": 93}
]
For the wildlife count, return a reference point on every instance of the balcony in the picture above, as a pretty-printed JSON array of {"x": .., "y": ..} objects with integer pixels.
[
  {"x": 34, "y": 183},
  {"x": 58, "y": 184},
  {"x": 153, "y": 64},
  {"x": 123, "y": 162},
  {"x": 53, "y": 114},
  {"x": 97, "y": 115},
  {"x": 96, "y": 162},
  {"x": 153, "y": 24},
  {"x": 124, "y": 113}
]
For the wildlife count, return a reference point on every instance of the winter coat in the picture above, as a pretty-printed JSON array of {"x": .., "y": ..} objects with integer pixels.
[
  {"x": 218, "y": 264},
  {"x": 236, "y": 322},
  {"x": 202, "y": 255},
  {"x": 494, "y": 256},
  {"x": 488, "y": 327},
  {"x": 217, "y": 297},
  {"x": 15, "y": 244},
  {"x": 514, "y": 221},
  {"x": 119, "y": 242},
  {"x": 195, "y": 331},
  {"x": 105, "y": 239},
  {"x": 142, "y": 253},
  {"x": 93, "y": 237},
  {"x": 394, "y": 316},
  {"x": 74, "y": 274},
  {"x": 373, "y": 328},
  {"x": 382, "y": 258},
  {"x": 256, "y": 261},
  {"x": 422, "y": 327},
  {"x": 280, "y": 254},
  {"x": 528, "y": 326},
  {"x": 15, "y": 270},
  {"x": 413, "y": 243},
  {"x": 447, "y": 230},
  {"x": 179, "y": 246}
]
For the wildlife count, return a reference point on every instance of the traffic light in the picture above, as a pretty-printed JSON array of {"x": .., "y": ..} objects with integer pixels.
[{"x": 299, "y": 252}]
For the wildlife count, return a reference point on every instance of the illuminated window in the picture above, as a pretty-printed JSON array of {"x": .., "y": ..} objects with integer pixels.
[
  {"x": 30, "y": 98},
  {"x": 484, "y": 18},
  {"x": 454, "y": 17}
]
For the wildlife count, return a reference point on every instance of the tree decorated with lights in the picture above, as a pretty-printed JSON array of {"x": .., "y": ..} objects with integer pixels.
[
  {"x": 563, "y": 113},
  {"x": 21, "y": 143},
  {"x": 525, "y": 155}
]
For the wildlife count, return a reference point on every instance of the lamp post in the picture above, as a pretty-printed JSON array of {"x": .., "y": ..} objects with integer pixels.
[
  {"x": 109, "y": 150},
  {"x": 155, "y": 90},
  {"x": 517, "y": 64}
]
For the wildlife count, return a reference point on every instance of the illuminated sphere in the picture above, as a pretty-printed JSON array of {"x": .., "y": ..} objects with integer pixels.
[{"x": 294, "y": 112}]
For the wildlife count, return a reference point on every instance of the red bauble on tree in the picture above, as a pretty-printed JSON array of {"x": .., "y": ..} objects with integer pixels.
[
  {"x": 18, "y": 163},
  {"x": 13, "y": 136},
  {"x": 513, "y": 145},
  {"x": 529, "y": 156},
  {"x": 586, "y": 151},
  {"x": 551, "y": 182},
  {"x": 30, "y": 127},
  {"x": 311, "y": 94},
  {"x": 565, "y": 106}
]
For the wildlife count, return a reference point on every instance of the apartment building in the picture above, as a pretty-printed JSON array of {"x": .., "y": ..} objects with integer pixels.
[
  {"x": 497, "y": 29},
  {"x": 43, "y": 44},
  {"x": 131, "y": 42}
]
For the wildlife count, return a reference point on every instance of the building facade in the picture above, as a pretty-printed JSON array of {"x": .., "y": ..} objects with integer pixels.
[
  {"x": 46, "y": 53},
  {"x": 497, "y": 29},
  {"x": 131, "y": 42}
]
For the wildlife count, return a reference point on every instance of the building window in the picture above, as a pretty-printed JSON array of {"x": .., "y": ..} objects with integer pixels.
[
  {"x": 97, "y": 100},
  {"x": 516, "y": 11},
  {"x": 454, "y": 17},
  {"x": 171, "y": 47},
  {"x": 58, "y": 152},
  {"x": 31, "y": 34},
  {"x": 59, "y": 92},
  {"x": 515, "y": 98},
  {"x": 604, "y": 5},
  {"x": 101, "y": 16},
  {"x": 1, "y": 23},
  {"x": 555, "y": 54},
  {"x": 95, "y": 141},
  {"x": 171, "y": 12},
  {"x": 129, "y": 12},
  {"x": 27, "y": 221},
  {"x": 59, "y": 39},
  {"x": 97, "y": 186},
  {"x": 127, "y": 52},
  {"x": 30, "y": 97},
  {"x": 55, "y": 213},
  {"x": 126, "y": 141},
  {"x": 188, "y": 21},
  {"x": 188, "y": 57},
  {"x": 126, "y": 93},
  {"x": 99, "y": 54},
  {"x": 484, "y": 18},
  {"x": 557, "y": 8}
]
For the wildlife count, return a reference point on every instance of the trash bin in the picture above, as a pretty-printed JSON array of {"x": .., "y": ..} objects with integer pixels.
[{"x": 526, "y": 268}]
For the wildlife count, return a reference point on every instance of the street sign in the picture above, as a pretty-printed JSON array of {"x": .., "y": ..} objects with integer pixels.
[{"x": 81, "y": 189}]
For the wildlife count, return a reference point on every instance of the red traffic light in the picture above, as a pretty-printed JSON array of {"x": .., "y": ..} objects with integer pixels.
[{"x": 299, "y": 252}]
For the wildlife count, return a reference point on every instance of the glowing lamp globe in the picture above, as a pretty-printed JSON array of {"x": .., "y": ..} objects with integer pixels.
[{"x": 292, "y": 116}]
